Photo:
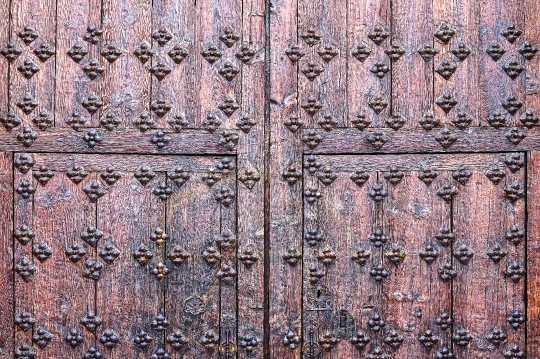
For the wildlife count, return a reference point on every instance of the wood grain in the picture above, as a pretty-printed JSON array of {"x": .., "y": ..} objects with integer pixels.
[
  {"x": 73, "y": 86},
  {"x": 362, "y": 84},
  {"x": 192, "y": 297},
  {"x": 121, "y": 141},
  {"x": 129, "y": 297},
  {"x": 126, "y": 90},
  {"x": 412, "y": 77},
  {"x": 229, "y": 290},
  {"x": 463, "y": 18},
  {"x": 214, "y": 20},
  {"x": 348, "y": 218},
  {"x": 532, "y": 67},
  {"x": 24, "y": 294},
  {"x": 41, "y": 16},
  {"x": 285, "y": 200},
  {"x": 329, "y": 87},
  {"x": 61, "y": 213},
  {"x": 495, "y": 86},
  {"x": 6, "y": 253},
  {"x": 483, "y": 297},
  {"x": 251, "y": 196},
  {"x": 4, "y": 73},
  {"x": 180, "y": 86},
  {"x": 533, "y": 258},
  {"x": 412, "y": 217},
  {"x": 341, "y": 141}
]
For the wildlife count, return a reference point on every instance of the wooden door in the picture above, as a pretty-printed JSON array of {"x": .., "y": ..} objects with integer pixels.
[
  {"x": 133, "y": 138},
  {"x": 269, "y": 179},
  {"x": 414, "y": 255},
  {"x": 396, "y": 127}
]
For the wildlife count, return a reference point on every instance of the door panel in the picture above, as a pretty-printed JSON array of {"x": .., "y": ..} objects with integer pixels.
[
  {"x": 126, "y": 239},
  {"x": 6, "y": 254},
  {"x": 410, "y": 241}
]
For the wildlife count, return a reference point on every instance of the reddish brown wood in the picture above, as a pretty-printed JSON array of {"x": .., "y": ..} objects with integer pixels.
[
  {"x": 73, "y": 85},
  {"x": 325, "y": 47},
  {"x": 192, "y": 297},
  {"x": 6, "y": 254},
  {"x": 419, "y": 141},
  {"x": 412, "y": 77},
  {"x": 126, "y": 90},
  {"x": 180, "y": 86},
  {"x": 124, "y": 307},
  {"x": 251, "y": 175},
  {"x": 272, "y": 95},
  {"x": 230, "y": 331},
  {"x": 61, "y": 213},
  {"x": 23, "y": 291},
  {"x": 495, "y": 85},
  {"x": 121, "y": 141},
  {"x": 481, "y": 218},
  {"x": 41, "y": 17},
  {"x": 532, "y": 66},
  {"x": 216, "y": 20},
  {"x": 362, "y": 83},
  {"x": 462, "y": 18},
  {"x": 285, "y": 213},
  {"x": 412, "y": 217},
  {"x": 533, "y": 258},
  {"x": 346, "y": 219},
  {"x": 4, "y": 73}
]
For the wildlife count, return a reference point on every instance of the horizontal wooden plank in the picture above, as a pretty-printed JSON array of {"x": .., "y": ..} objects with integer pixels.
[
  {"x": 411, "y": 162},
  {"x": 484, "y": 139},
  {"x": 128, "y": 163},
  {"x": 125, "y": 141}
]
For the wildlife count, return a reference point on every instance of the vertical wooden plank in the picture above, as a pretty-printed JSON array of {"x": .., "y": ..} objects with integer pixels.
[
  {"x": 251, "y": 170},
  {"x": 324, "y": 39},
  {"x": 126, "y": 82},
  {"x": 5, "y": 48},
  {"x": 516, "y": 310},
  {"x": 192, "y": 298},
  {"x": 180, "y": 86},
  {"x": 129, "y": 294},
  {"x": 412, "y": 76},
  {"x": 363, "y": 84},
  {"x": 245, "y": 338},
  {"x": 29, "y": 97},
  {"x": 348, "y": 218},
  {"x": 314, "y": 274},
  {"x": 532, "y": 66},
  {"x": 484, "y": 296},
  {"x": 457, "y": 62},
  {"x": 533, "y": 256},
  {"x": 285, "y": 177},
  {"x": 62, "y": 212},
  {"x": 6, "y": 255},
  {"x": 23, "y": 221},
  {"x": 497, "y": 19},
  {"x": 220, "y": 28},
  {"x": 414, "y": 294},
  {"x": 74, "y": 55}
]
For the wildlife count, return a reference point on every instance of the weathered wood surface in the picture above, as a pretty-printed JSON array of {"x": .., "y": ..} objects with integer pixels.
[
  {"x": 480, "y": 213},
  {"x": 482, "y": 217},
  {"x": 350, "y": 140},
  {"x": 6, "y": 255},
  {"x": 330, "y": 77},
  {"x": 533, "y": 258},
  {"x": 74, "y": 85},
  {"x": 127, "y": 295}
]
